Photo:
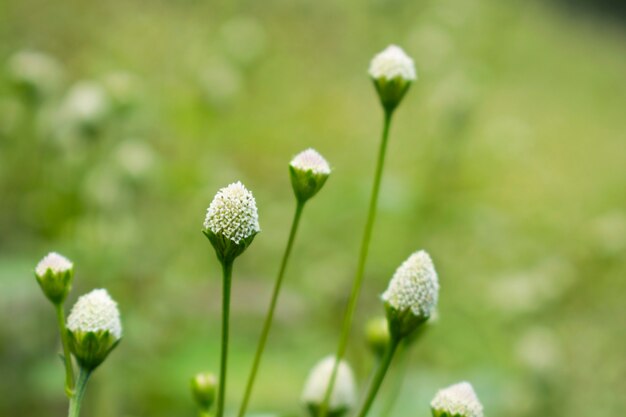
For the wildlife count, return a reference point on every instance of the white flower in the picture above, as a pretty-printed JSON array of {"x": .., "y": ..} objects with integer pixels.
[
  {"x": 55, "y": 262},
  {"x": 344, "y": 391},
  {"x": 36, "y": 69},
  {"x": 391, "y": 63},
  {"x": 457, "y": 400},
  {"x": 414, "y": 286},
  {"x": 233, "y": 213},
  {"x": 311, "y": 160},
  {"x": 95, "y": 312}
]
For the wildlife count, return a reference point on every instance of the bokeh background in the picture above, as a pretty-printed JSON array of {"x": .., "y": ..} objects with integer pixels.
[{"x": 119, "y": 120}]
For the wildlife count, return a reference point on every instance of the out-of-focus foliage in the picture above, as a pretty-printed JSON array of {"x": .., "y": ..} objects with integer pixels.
[{"x": 120, "y": 119}]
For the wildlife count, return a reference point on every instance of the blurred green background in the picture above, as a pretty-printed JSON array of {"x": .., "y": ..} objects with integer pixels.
[{"x": 119, "y": 120}]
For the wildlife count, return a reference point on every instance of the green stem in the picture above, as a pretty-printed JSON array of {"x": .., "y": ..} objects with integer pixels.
[
  {"x": 270, "y": 313},
  {"x": 69, "y": 372},
  {"x": 378, "y": 378},
  {"x": 394, "y": 390},
  {"x": 227, "y": 271},
  {"x": 358, "y": 277},
  {"x": 77, "y": 399}
]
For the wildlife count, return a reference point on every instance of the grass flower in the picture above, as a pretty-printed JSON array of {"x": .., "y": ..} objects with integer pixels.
[
  {"x": 309, "y": 171},
  {"x": 343, "y": 396},
  {"x": 54, "y": 274},
  {"x": 203, "y": 388},
  {"x": 458, "y": 400},
  {"x": 36, "y": 74},
  {"x": 393, "y": 71}
]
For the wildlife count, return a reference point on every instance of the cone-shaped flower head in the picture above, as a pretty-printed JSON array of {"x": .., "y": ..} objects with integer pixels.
[
  {"x": 412, "y": 294},
  {"x": 54, "y": 274},
  {"x": 393, "y": 72},
  {"x": 231, "y": 221},
  {"x": 377, "y": 335},
  {"x": 343, "y": 397},
  {"x": 94, "y": 328},
  {"x": 203, "y": 388},
  {"x": 458, "y": 400},
  {"x": 309, "y": 171}
]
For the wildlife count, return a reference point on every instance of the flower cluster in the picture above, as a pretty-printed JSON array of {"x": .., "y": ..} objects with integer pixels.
[
  {"x": 458, "y": 400},
  {"x": 233, "y": 213}
]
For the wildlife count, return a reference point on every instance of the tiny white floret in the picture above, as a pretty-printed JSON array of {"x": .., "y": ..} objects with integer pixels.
[
  {"x": 458, "y": 400},
  {"x": 344, "y": 390},
  {"x": 391, "y": 63},
  {"x": 311, "y": 160},
  {"x": 95, "y": 312},
  {"x": 233, "y": 213},
  {"x": 414, "y": 286},
  {"x": 55, "y": 262}
]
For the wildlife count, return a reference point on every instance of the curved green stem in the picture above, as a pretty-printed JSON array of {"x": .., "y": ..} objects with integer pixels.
[
  {"x": 227, "y": 271},
  {"x": 270, "y": 313},
  {"x": 358, "y": 277},
  {"x": 77, "y": 399},
  {"x": 67, "y": 358},
  {"x": 378, "y": 377}
]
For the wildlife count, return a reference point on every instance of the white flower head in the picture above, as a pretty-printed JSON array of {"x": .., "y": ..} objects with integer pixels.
[
  {"x": 392, "y": 63},
  {"x": 54, "y": 262},
  {"x": 343, "y": 396},
  {"x": 311, "y": 160},
  {"x": 233, "y": 213},
  {"x": 414, "y": 286},
  {"x": 457, "y": 400},
  {"x": 95, "y": 312}
]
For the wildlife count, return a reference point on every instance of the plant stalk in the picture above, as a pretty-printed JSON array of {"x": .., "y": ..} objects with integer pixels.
[
  {"x": 270, "y": 313},
  {"x": 358, "y": 277},
  {"x": 77, "y": 399},
  {"x": 67, "y": 358},
  {"x": 227, "y": 272}
]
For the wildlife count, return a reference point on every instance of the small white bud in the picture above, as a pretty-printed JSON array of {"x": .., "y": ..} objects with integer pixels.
[
  {"x": 393, "y": 71},
  {"x": 458, "y": 400},
  {"x": 343, "y": 396},
  {"x": 231, "y": 221},
  {"x": 54, "y": 274},
  {"x": 412, "y": 295},
  {"x": 36, "y": 73},
  {"x": 309, "y": 171},
  {"x": 94, "y": 327},
  {"x": 203, "y": 389}
]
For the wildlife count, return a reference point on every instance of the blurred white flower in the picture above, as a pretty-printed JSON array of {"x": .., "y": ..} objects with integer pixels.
[
  {"x": 458, "y": 400},
  {"x": 392, "y": 63},
  {"x": 343, "y": 396},
  {"x": 538, "y": 349},
  {"x": 85, "y": 107},
  {"x": 54, "y": 262},
  {"x": 38, "y": 72}
]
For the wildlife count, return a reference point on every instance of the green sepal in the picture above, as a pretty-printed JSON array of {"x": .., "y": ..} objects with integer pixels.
[
  {"x": 225, "y": 249},
  {"x": 441, "y": 413},
  {"x": 91, "y": 348},
  {"x": 314, "y": 410},
  {"x": 306, "y": 183},
  {"x": 402, "y": 323},
  {"x": 391, "y": 91},
  {"x": 56, "y": 285}
]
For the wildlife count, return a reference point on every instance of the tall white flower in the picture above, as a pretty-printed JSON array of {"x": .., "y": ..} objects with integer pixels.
[
  {"x": 393, "y": 71},
  {"x": 54, "y": 274},
  {"x": 231, "y": 221},
  {"x": 343, "y": 396},
  {"x": 94, "y": 327},
  {"x": 412, "y": 294},
  {"x": 458, "y": 400},
  {"x": 309, "y": 171}
]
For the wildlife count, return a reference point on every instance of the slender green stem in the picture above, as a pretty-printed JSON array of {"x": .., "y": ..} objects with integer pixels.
[
  {"x": 69, "y": 372},
  {"x": 358, "y": 277},
  {"x": 270, "y": 313},
  {"x": 378, "y": 377},
  {"x": 394, "y": 391},
  {"x": 227, "y": 271},
  {"x": 77, "y": 399}
]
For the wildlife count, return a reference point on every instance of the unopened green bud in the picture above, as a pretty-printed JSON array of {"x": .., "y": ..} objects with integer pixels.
[
  {"x": 231, "y": 221},
  {"x": 309, "y": 171},
  {"x": 392, "y": 71},
  {"x": 458, "y": 400},
  {"x": 54, "y": 274},
  {"x": 412, "y": 294},
  {"x": 377, "y": 335},
  {"x": 203, "y": 389},
  {"x": 94, "y": 328}
]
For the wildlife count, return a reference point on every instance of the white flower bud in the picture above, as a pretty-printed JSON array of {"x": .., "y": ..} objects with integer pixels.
[
  {"x": 203, "y": 388},
  {"x": 393, "y": 72},
  {"x": 458, "y": 400},
  {"x": 412, "y": 294},
  {"x": 94, "y": 328},
  {"x": 343, "y": 396},
  {"x": 231, "y": 221},
  {"x": 86, "y": 107},
  {"x": 36, "y": 73},
  {"x": 309, "y": 171},
  {"x": 54, "y": 274}
]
